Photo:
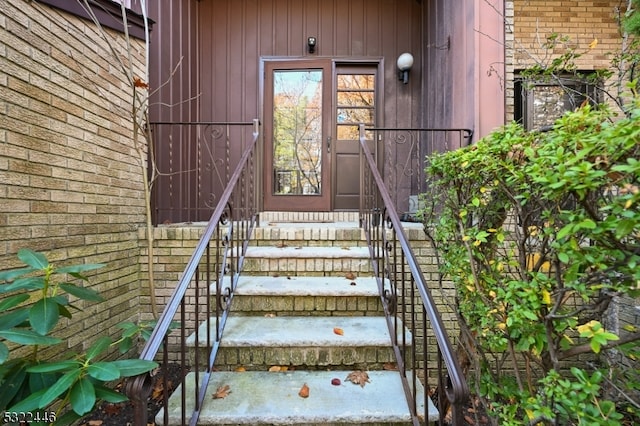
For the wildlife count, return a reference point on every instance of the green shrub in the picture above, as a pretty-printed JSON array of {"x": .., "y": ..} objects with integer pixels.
[
  {"x": 35, "y": 298},
  {"x": 540, "y": 232}
]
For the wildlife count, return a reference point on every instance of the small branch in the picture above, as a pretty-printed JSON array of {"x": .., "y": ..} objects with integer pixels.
[{"x": 586, "y": 348}]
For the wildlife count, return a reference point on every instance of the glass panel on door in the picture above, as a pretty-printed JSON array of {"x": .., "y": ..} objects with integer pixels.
[{"x": 297, "y": 132}]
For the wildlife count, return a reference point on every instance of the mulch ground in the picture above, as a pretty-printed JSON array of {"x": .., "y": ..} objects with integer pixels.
[{"x": 106, "y": 414}]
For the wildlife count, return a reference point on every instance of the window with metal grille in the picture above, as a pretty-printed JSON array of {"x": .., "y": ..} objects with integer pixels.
[{"x": 540, "y": 101}]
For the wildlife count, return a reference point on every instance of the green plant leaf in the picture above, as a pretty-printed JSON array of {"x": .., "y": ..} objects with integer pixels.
[
  {"x": 98, "y": 347},
  {"x": 109, "y": 395},
  {"x": 103, "y": 371},
  {"x": 82, "y": 292},
  {"x": 44, "y": 315},
  {"x": 50, "y": 367},
  {"x": 13, "y": 301},
  {"x": 133, "y": 367},
  {"x": 4, "y": 353},
  {"x": 30, "y": 403},
  {"x": 12, "y": 274},
  {"x": 62, "y": 385},
  {"x": 13, "y": 372},
  {"x": 14, "y": 318},
  {"x": 34, "y": 259},
  {"x": 82, "y": 396},
  {"x": 28, "y": 283},
  {"x": 28, "y": 337}
]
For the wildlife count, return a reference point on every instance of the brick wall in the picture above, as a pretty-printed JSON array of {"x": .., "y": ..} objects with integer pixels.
[
  {"x": 583, "y": 21},
  {"x": 70, "y": 181}
]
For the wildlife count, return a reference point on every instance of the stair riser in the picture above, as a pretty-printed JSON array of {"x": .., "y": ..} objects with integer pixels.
[
  {"x": 309, "y": 237},
  {"x": 307, "y": 305},
  {"x": 307, "y": 267},
  {"x": 311, "y": 358}
]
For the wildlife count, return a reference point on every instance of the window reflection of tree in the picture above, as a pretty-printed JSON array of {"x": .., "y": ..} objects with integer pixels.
[
  {"x": 298, "y": 131},
  {"x": 356, "y": 103}
]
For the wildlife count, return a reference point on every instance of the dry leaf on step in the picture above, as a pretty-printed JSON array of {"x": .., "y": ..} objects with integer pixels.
[
  {"x": 304, "y": 391},
  {"x": 222, "y": 392},
  {"x": 281, "y": 244},
  {"x": 277, "y": 368},
  {"x": 240, "y": 369},
  {"x": 358, "y": 378},
  {"x": 338, "y": 331},
  {"x": 350, "y": 276}
]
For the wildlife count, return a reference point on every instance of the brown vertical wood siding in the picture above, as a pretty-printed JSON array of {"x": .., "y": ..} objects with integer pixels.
[
  {"x": 236, "y": 34},
  {"x": 222, "y": 44}
]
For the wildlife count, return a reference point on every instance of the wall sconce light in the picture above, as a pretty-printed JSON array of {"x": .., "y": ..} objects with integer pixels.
[
  {"x": 311, "y": 44},
  {"x": 405, "y": 61}
]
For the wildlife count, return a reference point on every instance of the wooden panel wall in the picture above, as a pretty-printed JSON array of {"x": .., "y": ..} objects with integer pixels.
[{"x": 235, "y": 34}]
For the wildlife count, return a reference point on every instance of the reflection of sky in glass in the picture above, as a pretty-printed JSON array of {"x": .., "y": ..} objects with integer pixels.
[{"x": 305, "y": 83}]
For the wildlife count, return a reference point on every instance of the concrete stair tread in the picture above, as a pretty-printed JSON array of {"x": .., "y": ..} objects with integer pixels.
[
  {"x": 292, "y": 331},
  {"x": 307, "y": 252},
  {"x": 306, "y": 286},
  {"x": 259, "y": 397}
]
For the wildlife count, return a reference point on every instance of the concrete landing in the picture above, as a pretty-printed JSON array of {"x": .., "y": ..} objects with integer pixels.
[
  {"x": 291, "y": 331},
  {"x": 272, "y": 398}
]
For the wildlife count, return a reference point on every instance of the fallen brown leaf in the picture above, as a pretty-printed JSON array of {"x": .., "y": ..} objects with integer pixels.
[
  {"x": 277, "y": 368},
  {"x": 95, "y": 423},
  {"x": 112, "y": 409},
  {"x": 390, "y": 366},
  {"x": 358, "y": 377},
  {"x": 281, "y": 244},
  {"x": 304, "y": 391},
  {"x": 350, "y": 276},
  {"x": 338, "y": 331},
  {"x": 222, "y": 392},
  {"x": 240, "y": 369}
]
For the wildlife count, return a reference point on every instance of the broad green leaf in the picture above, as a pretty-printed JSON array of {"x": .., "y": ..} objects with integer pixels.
[
  {"x": 14, "y": 373},
  {"x": 59, "y": 387},
  {"x": 133, "y": 367},
  {"x": 64, "y": 312},
  {"x": 103, "y": 371},
  {"x": 109, "y": 395},
  {"x": 44, "y": 315},
  {"x": 4, "y": 353},
  {"x": 38, "y": 381},
  {"x": 82, "y": 396},
  {"x": 28, "y": 283},
  {"x": 34, "y": 259},
  {"x": 98, "y": 347},
  {"x": 14, "y": 318},
  {"x": 563, "y": 257},
  {"x": 12, "y": 274},
  {"x": 28, "y": 337},
  {"x": 75, "y": 269},
  {"x": 82, "y": 292},
  {"x": 30, "y": 403},
  {"x": 125, "y": 344},
  {"x": 50, "y": 367},
  {"x": 13, "y": 301}
]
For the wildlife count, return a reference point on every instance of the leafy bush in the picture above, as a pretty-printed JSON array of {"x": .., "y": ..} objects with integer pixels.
[
  {"x": 540, "y": 232},
  {"x": 30, "y": 384}
]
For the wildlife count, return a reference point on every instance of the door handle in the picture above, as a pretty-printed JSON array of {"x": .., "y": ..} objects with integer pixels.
[{"x": 329, "y": 144}]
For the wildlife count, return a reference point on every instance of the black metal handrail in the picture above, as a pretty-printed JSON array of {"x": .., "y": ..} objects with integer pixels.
[
  {"x": 408, "y": 302},
  {"x": 215, "y": 262}
]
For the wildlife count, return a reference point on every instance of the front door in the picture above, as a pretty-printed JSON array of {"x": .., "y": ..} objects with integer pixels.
[{"x": 312, "y": 112}]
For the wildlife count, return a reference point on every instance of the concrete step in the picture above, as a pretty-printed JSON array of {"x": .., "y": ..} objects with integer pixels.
[
  {"x": 304, "y": 260},
  {"x": 300, "y": 295},
  {"x": 272, "y": 398},
  {"x": 258, "y": 343}
]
